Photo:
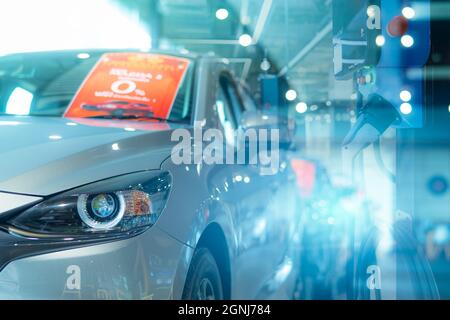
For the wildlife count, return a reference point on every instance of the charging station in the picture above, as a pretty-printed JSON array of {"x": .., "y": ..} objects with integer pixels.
[{"x": 383, "y": 46}]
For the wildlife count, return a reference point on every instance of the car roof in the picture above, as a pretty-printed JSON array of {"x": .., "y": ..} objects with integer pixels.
[{"x": 59, "y": 53}]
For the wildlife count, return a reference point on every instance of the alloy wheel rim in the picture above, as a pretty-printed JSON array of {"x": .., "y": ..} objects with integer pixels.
[{"x": 205, "y": 290}]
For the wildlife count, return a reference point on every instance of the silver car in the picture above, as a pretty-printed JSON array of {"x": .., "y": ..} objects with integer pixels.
[{"x": 94, "y": 207}]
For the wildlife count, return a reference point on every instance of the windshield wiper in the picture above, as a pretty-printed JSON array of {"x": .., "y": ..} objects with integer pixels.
[{"x": 131, "y": 117}]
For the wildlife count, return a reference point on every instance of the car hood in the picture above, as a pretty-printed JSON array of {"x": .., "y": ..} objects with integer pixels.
[{"x": 42, "y": 156}]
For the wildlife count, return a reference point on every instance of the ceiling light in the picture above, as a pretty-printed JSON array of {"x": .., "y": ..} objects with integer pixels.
[
  {"x": 406, "y": 96},
  {"x": 39, "y": 33},
  {"x": 407, "y": 41},
  {"x": 291, "y": 95},
  {"x": 55, "y": 137},
  {"x": 408, "y": 12},
  {"x": 222, "y": 14},
  {"x": 301, "y": 107},
  {"x": 380, "y": 40},
  {"x": 406, "y": 108},
  {"x": 245, "y": 40}
]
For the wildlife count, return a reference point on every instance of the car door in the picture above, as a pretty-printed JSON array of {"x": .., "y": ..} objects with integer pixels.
[
  {"x": 256, "y": 202},
  {"x": 284, "y": 216}
]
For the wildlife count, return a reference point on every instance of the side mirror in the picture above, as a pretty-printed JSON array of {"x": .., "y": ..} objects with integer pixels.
[{"x": 269, "y": 120}]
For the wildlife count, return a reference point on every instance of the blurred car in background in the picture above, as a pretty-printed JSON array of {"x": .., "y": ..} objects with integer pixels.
[{"x": 327, "y": 237}]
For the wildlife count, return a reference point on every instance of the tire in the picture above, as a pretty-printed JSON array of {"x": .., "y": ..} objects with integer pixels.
[{"x": 203, "y": 280}]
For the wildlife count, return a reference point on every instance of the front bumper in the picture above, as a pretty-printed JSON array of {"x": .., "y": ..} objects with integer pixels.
[{"x": 149, "y": 266}]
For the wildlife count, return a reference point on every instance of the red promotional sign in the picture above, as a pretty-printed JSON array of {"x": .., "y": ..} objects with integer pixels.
[
  {"x": 130, "y": 84},
  {"x": 305, "y": 172}
]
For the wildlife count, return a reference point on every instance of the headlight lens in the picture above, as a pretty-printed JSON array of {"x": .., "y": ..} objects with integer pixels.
[
  {"x": 112, "y": 207},
  {"x": 102, "y": 211}
]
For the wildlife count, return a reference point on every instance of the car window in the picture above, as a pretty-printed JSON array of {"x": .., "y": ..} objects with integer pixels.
[
  {"x": 232, "y": 94},
  {"x": 225, "y": 114},
  {"x": 44, "y": 84},
  {"x": 181, "y": 108}
]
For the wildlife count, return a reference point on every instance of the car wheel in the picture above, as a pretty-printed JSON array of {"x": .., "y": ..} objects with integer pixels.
[{"x": 203, "y": 280}]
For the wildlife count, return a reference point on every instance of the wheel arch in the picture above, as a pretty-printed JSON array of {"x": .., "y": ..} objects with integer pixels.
[{"x": 213, "y": 238}]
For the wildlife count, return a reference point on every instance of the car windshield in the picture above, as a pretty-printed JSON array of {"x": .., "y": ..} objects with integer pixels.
[{"x": 82, "y": 85}]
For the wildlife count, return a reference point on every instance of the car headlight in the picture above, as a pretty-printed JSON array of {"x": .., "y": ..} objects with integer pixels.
[{"x": 118, "y": 206}]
